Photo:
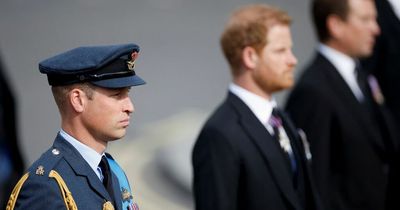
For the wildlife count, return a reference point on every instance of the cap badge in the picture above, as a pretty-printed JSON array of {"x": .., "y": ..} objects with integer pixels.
[
  {"x": 40, "y": 170},
  {"x": 131, "y": 63}
]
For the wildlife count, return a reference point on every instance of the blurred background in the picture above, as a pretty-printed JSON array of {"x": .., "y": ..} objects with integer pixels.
[{"x": 181, "y": 61}]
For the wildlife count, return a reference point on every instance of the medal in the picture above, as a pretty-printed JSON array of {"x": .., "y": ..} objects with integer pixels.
[{"x": 108, "y": 206}]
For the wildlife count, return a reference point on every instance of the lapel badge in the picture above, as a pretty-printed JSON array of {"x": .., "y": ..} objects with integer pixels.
[
  {"x": 376, "y": 90},
  {"x": 131, "y": 63},
  {"x": 40, "y": 170},
  {"x": 108, "y": 206},
  {"x": 126, "y": 195}
]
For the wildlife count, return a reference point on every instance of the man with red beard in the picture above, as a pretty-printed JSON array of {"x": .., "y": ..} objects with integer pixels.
[{"x": 248, "y": 154}]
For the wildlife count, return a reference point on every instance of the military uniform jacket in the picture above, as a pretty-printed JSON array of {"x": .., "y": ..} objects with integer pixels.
[
  {"x": 351, "y": 157},
  {"x": 238, "y": 165},
  {"x": 42, "y": 192}
]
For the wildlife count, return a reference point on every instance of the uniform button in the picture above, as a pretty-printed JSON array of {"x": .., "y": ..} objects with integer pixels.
[{"x": 55, "y": 151}]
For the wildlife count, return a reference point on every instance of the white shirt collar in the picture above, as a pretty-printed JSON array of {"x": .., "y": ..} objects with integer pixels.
[
  {"x": 345, "y": 65},
  {"x": 395, "y": 6},
  {"x": 91, "y": 156},
  {"x": 261, "y": 107}
]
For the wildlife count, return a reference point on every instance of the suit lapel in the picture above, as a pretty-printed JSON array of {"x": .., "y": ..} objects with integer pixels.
[
  {"x": 268, "y": 148},
  {"x": 81, "y": 167},
  {"x": 346, "y": 96}
]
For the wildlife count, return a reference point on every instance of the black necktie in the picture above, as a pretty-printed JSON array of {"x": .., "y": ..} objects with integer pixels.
[
  {"x": 107, "y": 178},
  {"x": 362, "y": 81}
]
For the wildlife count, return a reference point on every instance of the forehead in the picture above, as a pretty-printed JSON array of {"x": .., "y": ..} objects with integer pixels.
[
  {"x": 362, "y": 7},
  {"x": 278, "y": 33}
]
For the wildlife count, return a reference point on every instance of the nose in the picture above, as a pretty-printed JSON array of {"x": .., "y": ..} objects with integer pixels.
[
  {"x": 375, "y": 28},
  {"x": 292, "y": 59},
  {"x": 128, "y": 106}
]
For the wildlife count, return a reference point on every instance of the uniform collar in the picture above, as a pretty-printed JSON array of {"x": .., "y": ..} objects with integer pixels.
[{"x": 90, "y": 155}]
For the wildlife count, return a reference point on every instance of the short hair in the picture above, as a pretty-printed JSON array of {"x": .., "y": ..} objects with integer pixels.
[
  {"x": 60, "y": 93},
  {"x": 322, "y": 9},
  {"x": 248, "y": 26}
]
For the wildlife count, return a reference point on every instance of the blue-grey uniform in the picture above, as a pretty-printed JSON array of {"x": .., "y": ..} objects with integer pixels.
[{"x": 65, "y": 176}]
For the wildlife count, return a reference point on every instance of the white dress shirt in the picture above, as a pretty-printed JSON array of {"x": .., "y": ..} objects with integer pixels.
[
  {"x": 92, "y": 157},
  {"x": 261, "y": 107},
  {"x": 396, "y": 7},
  {"x": 345, "y": 65}
]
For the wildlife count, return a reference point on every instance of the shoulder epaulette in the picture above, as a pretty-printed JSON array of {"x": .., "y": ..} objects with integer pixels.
[{"x": 45, "y": 169}]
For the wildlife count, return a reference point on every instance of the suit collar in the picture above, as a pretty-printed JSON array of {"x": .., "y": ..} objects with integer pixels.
[
  {"x": 82, "y": 168},
  {"x": 261, "y": 107},
  {"x": 345, "y": 67},
  {"x": 267, "y": 147},
  {"x": 342, "y": 90}
]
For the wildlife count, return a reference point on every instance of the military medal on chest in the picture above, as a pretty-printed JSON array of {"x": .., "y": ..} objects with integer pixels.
[{"x": 108, "y": 206}]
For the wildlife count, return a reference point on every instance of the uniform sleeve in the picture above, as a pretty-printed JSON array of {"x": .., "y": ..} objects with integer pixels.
[
  {"x": 311, "y": 111},
  {"x": 216, "y": 172},
  {"x": 39, "y": 193}
]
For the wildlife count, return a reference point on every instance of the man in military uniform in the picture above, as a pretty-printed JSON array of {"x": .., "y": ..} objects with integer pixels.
[{"x": 90, "y": 86}]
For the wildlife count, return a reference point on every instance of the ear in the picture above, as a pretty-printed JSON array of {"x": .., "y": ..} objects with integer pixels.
[
  {"x": 334, "y": 25},
  {"x": 250, "y": 57},
  {"x": 77, "y": 99}
]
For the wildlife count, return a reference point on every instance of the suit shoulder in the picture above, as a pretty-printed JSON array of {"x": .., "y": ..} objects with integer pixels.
[
  {"x": 38, "y": 188},
  {"x": 222, "y": 119},
  {"x": 47, "y": 162}
]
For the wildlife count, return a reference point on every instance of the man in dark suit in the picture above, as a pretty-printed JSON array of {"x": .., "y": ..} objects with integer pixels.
[
  {"x": 248, "y": 154},
  {"x": 90, "y": 86},
  {"x": 341, "y": 109},
  {"x": 384, "y": 62},
  {"x": 11, "y": 162}
]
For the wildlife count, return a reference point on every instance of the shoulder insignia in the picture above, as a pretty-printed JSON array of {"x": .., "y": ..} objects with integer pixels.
[
  {"x": 40, "y": 170},
  {"x": 46, "y": 162}
]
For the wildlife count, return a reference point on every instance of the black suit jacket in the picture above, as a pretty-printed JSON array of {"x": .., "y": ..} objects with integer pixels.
[
  {"x": 351, "y": 158},
  {"x": 238, "y": 165}
]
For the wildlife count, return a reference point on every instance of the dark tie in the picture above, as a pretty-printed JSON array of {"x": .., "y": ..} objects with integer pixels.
[
  {"x": 362, "y": 81},
  {"x": 281, "y": 136},
  {"x": 107, "y": 178}
]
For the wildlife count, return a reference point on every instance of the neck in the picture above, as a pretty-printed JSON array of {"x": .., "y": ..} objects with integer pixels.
[
  {"x": 83, "y": 136},
  {"x": 247, "y": 84}
]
